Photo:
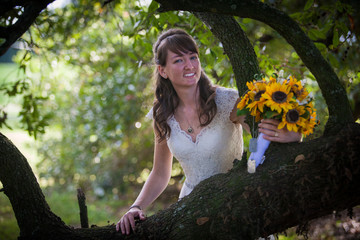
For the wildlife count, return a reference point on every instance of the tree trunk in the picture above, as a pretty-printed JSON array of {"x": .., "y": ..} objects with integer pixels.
[
  {"x": 298, "y": 182},
  {"x": 240, "y": 52}
]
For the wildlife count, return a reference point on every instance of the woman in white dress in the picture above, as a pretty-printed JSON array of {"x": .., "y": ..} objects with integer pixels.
[{"x": 193, "y": 120}]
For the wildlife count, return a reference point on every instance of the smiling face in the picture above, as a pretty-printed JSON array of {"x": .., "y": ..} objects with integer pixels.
[
  {"x": 177, "y": 57},
  {"x": 182, "y": 69}
]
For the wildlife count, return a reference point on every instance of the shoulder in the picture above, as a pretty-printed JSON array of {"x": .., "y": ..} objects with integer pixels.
[
  {"x": 226, "y": 94},
  {"x": 225, "y": 100}
]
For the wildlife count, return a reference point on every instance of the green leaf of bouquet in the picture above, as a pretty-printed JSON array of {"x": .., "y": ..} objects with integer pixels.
[
  {"x": 258, "y": 76},
  {"x": 306, "y": 115},
  {"x": 271, "y": 114},
  {"x": 274, "y": 75},
  {"x": 242, "y": 112}
]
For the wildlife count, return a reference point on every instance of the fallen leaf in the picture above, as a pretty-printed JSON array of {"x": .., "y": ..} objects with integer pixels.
[
  {"x": 202, "y": 220},
  {"x": 299, "y": 158}
]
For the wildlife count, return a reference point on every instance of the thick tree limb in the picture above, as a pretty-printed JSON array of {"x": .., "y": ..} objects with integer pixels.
[
  {"x": 32, "y": 212},
  {"x": 297, "y": 182},
  {"x": 332, "y": 90},
  {"x": 240, "y": 52}
]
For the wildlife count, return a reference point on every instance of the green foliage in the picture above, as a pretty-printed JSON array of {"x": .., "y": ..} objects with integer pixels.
[
  {"x": 9, "y": 229},
  {"x": 88, "y": 78},
  {"x": 99, "y": 89},
  {"x": 87, "y": 82},
  {"x": 93, "y": 87}
]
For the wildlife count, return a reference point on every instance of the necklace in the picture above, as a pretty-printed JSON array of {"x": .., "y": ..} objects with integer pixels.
[{"x": 190, "y": 129}]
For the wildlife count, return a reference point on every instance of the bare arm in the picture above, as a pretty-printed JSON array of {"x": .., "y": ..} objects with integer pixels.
[
  {"x": 238, "y": 119},
  {"x": 153, "y": 187}
]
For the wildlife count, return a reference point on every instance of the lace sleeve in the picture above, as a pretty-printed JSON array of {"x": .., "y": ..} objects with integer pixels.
[
  {"x": 226, "y": 101},
  {"x": 149, "y": 115}
]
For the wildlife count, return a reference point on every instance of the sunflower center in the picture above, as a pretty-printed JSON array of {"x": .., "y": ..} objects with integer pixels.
[
  {"x": 279, "y": 97},
  {"x": 258, "y": 95},
  {"x": 298, "y": 92},
  {"x": 292, "y": 116}
]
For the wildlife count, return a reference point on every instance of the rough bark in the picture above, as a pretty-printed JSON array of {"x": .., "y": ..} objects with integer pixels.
[
  {"x": 13, "y": 32},
  {"x": 331, "y": 88},
  {"x": 298, "y": 182},
  {"x": 240, "y": 52},
  {"x": 84, "y": 221},
  {"x": 32, "y": 212}
]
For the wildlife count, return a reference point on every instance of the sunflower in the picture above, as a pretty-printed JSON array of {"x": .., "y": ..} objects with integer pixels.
[
  {"x": 297, "y": 88},
  {"x": 278, "y": 97},
  {"x": 311, "y": 122},
  {"x": 251, "y": 85},
  {"x": 257, "y": 104},
  {"x": 293, "y": 119},
  {"x": 244, "y": 101},
  {"x": 272, "y": 79}
]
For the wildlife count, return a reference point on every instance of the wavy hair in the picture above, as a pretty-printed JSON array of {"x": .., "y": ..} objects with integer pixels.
[{"x": 166, "y": 98}]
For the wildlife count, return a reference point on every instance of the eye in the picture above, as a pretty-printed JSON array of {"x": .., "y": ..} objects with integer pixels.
[
  {"x": 193, "y": 57},
  {"x": 178, "y": 60}
]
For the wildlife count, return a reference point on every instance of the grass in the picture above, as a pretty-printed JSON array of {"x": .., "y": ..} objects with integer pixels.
[
  {"x": 101, "y": 212},
  {"x": 63, "y": 203}
]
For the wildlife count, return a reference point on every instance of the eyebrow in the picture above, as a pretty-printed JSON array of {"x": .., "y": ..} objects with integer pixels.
[{"x": 180, "y": 55}]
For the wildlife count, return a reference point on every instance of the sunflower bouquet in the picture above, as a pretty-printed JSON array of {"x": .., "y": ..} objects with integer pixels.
[{"x": 284, "y": 99}]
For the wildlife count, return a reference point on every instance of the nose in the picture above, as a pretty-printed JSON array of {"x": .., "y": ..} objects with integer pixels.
[{"x": 189, "y": 64}]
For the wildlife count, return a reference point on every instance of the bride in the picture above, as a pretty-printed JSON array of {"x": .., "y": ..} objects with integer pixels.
[{"x": 194, "y": 121}]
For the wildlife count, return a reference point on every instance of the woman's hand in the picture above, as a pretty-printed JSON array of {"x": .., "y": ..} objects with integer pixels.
[
  {"x": 269, "y": 127},
  {"x": 128, "y": 220}
]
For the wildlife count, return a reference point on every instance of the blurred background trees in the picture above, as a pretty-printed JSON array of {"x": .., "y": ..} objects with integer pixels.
[{"x": 82, "y": 86}]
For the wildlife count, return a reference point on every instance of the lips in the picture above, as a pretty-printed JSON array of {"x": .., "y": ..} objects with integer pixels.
[{"x": 189, "y": 75}]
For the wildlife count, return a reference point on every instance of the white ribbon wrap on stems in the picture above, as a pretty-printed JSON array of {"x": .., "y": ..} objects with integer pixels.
[{"x": 257, "y": 158}]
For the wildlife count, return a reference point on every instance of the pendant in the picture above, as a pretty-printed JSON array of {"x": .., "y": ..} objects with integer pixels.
[{"x": 190, "y": 129}]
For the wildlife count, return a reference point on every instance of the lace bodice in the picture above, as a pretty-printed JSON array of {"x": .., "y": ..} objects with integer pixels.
[{"x": 215, "y": 148}]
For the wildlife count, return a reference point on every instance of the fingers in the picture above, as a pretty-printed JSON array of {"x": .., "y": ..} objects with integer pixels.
[
  {"x": 270, "y": 124},
  {"x": 142, "y": 216},
  {"x": 124, "y": 224},
  {"x": 270, "y": 121},
  {"x": 127, "y": 222},
  {"x": 280, "y": 135},
  {"x": 131, "y": 222}
]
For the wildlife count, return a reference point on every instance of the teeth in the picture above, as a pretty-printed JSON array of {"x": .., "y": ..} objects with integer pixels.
[{"x": 189, "y": 74}]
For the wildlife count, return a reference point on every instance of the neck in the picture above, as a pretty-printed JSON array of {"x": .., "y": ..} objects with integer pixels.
[{"x": 188, "y": 97}]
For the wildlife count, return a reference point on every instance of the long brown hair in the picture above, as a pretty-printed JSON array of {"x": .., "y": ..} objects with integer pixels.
[{"x": 167, "y": 100}]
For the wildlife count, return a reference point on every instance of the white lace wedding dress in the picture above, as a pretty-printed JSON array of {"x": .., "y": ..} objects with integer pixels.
[{"x": 215, "y": 147}]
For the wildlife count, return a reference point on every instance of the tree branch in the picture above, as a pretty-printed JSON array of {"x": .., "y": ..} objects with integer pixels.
[
  {"x": 236, "y": 45},
  {"x": 332, "y": 90},
  {"x": 283, "y": 193},
  {"x": 83, "y": 208},
  {"x": 32, "y": 10}
]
